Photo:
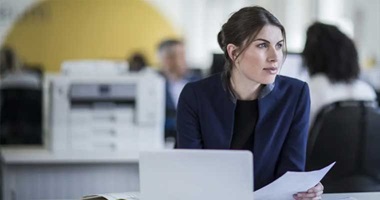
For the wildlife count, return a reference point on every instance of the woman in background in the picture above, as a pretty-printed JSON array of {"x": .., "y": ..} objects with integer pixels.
[
  {"x": 333, "y": 64},
  {"x": 249, "y": 106}
]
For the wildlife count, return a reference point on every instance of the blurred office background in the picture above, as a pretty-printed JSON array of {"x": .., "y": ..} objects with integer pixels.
[
  {"x": 46, "y": 35},
  {"x": 48, "y": 32}
]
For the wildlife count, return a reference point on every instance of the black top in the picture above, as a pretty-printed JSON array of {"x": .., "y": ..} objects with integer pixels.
[{"x": 246, "y": 114}]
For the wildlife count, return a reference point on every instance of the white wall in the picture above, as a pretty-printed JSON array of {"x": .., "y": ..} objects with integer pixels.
[
  {"x": 360, "y": 20},
  {"x": 10, "y": 10},
  {"x": 366, "y": 18},
  {"x": 298, "y": 15}
]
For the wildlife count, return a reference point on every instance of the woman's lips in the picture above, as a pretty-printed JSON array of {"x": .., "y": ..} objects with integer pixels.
[{"x": 271, "y": 70}]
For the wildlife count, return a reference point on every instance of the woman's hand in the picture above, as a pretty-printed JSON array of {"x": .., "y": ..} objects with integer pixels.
[{"x": 313, "y": 193}]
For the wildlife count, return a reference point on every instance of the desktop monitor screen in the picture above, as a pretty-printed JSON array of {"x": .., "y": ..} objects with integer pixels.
[{"x": 293, "y": 67}]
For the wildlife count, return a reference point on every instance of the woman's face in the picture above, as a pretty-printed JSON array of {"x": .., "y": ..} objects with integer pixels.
[
  {"x": 175, "y": 61},
  {"x": 262, "y": 60}
]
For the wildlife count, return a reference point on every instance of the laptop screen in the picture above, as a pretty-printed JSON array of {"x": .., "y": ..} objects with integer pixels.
[{"x": 196, "y": 174}]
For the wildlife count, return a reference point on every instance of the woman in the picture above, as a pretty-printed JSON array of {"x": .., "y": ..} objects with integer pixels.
[
  {"x": 249, "y": 106},
  {"x": 333, "y": 64}
]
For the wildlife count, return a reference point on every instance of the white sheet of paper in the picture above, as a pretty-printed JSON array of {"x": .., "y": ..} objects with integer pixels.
[
  {"x": 290, "y": 183},
  {"x": 114, "y": 196}
]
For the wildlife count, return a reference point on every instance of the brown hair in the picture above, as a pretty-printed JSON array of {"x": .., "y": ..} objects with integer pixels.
[{"x": 242, "y": 28}]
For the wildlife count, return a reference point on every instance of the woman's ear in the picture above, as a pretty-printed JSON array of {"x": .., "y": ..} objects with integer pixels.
[{"x": 232, "y": 51}]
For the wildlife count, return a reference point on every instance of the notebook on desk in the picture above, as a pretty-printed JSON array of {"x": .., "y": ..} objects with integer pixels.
[{"x": 196, "y": 174}]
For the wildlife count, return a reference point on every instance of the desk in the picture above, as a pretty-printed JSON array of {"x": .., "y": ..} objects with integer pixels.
[
  {"x": 36, "y": 173},
  {"x": 358, "y": 196},
  {"x": 337, "y": 196}
]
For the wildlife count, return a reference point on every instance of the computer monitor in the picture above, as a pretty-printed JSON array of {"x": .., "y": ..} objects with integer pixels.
[
  {"x": 217, "y": 64},
  {"x": 293, "y": 67}
]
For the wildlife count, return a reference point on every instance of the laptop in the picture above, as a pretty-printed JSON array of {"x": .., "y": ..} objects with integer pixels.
[{"x": 196, "y": 175}]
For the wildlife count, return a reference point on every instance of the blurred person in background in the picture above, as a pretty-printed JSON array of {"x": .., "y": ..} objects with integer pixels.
[
  {"x": 14, "y": 71},
  {"x": 137, "y": 62},
  {"x": 332, "y": 60},
  {"x": 172, "y": 60},
  {"x": 7, "y": 60}
]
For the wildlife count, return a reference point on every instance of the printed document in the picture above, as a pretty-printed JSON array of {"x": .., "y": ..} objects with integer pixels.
[{"x": 290, "y": 183}]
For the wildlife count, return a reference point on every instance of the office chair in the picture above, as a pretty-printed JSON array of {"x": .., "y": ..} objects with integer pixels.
[
  {"x": 347, "y": 132},
  {"x": 218, "y": 62},
  {"x": 378, "y": 96}
]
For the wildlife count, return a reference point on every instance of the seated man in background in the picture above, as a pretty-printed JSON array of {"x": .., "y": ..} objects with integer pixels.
[{"x": 173, "y": 67}]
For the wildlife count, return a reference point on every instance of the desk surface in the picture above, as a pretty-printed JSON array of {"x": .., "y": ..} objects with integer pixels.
[
  {"x": 335, "y": 196},
  {"x": 40, "y": 155},
  {"x": 356, "y": 196}
]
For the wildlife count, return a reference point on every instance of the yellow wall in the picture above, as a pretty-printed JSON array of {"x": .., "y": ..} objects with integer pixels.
[{"x": 58, "y": 30}]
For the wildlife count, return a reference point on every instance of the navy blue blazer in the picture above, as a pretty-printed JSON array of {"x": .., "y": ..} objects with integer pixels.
[{"x": 205, "y": 120}]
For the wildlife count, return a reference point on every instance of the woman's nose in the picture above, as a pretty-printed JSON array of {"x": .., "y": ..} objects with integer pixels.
[{"x": 273, "y": 54}]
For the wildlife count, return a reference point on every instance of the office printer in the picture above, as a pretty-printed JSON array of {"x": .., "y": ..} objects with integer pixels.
[{"x": 100, "y": 106}]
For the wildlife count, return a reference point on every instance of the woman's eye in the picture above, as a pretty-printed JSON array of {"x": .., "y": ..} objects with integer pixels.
[
  {"x": 262, "y": 45},
  {"x": 279, "y": 45}
]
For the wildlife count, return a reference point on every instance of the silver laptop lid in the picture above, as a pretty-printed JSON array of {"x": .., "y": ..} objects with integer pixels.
[{"x": 196, "y": 174}]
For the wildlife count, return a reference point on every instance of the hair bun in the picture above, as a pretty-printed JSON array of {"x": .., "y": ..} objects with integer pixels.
[{"x": 221, "y": 40}]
